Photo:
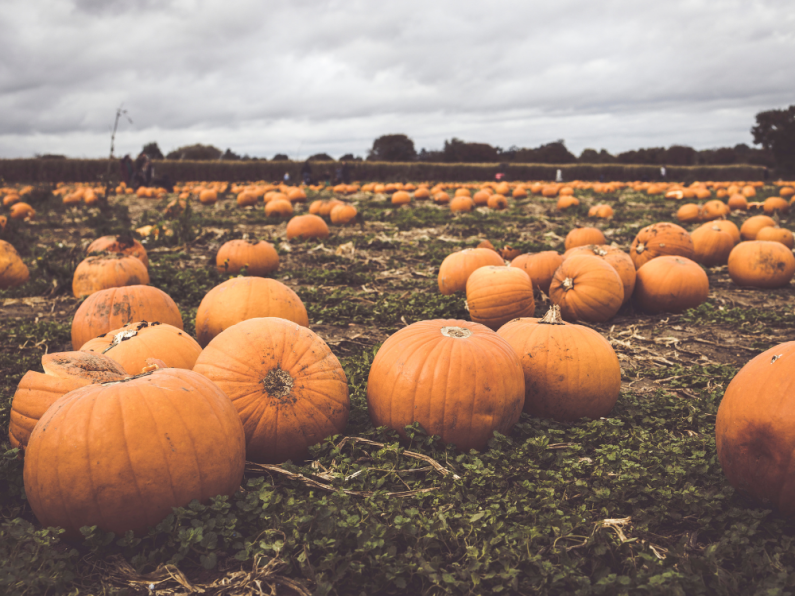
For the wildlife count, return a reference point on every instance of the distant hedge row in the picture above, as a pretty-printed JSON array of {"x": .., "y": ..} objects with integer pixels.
[{"x": 92, "y": 170}]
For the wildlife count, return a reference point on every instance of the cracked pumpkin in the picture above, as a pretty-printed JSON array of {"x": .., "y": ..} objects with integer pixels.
[{"x": 287, "y": 386}]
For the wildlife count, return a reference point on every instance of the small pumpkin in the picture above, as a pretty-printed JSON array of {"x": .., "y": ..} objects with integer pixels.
[
  {"x": 540, "y": 267},
  {"x": 587, "y": 289},
  {"x": 617, "y": 258},
  {"x": 737, "y": 202},
  {"x": 570, "y": 371},
  {"x": 459, "y": 380},
  {"x": 461, "y": 203},
  {"x": 13, "y": 271},
  {"x": 689, "y": 213},
  {"x": 712, "y": 245},
  {"x": 287, "y": 386},
  {"x": 659, "y": 240},
  {"x": 495, "y": 295},
  {"x": 761, "y": 264},
  {"x": 752, "y": 225},
  {"x": 401, "y": 197},
  {"x": 259, "y": 258},
  {"x": 307, "y": 226},
  {"x": 343, "y": 214},
  {"x": 279, "y": 208},
  {"x": 714, "y": 210},
  {"x": 777, "y": 235},
  {"x": 670, "y": 284},
  {"x": 458, "y": 266},
  {"x": 584, "y": 237}
]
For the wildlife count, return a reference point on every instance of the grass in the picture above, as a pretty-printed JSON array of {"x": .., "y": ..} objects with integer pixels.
[{"x": 634, "y": 503}]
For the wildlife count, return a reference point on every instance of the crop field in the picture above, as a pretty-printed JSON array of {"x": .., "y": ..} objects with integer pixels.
[{"x": 634, "y": 502}]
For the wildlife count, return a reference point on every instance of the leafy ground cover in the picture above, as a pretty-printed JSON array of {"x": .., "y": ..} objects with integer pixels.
[{"x": 631, "y": 504}]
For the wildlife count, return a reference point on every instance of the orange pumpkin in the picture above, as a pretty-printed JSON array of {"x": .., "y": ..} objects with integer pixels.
[
  {"x": 583, "y": 237},
  {"x": 495, "y": 295},
  {"x": 775, "y": 205},
  {"x": 279, "y": 208},
  {"x": 441, "y": 198},
  {"x": 714, "y": 210},
  {"x": 133, "y": 450},
  {"x": 307, "y": 227},
  {"x": 730, "y": 227},
  {"x": 712, "y": 245},
  {"x": 461, "y": 203},
  {"x": 459, "y": 380},
  {"x": 540, "y": 267},
  {"x": 259, "y": 258},
  {"x": 566, "y": 202},
  {"x": 761, "y": 264},
  {"x": 497, "y": 202},
  {"x": 246, "y": 199},
  {"x": 63, "y": 372},
  {"x": 113, "y": 308},
  {"x": 587, "y": 289},
  {"x": 134, "y": 343},
  {"x": 124, "y": 244},
  {"x": 777, "y": 235},
  {"x": 242, "y": 298},
  {"x": 22, "y": 211},
  {"x": 343, "y": 214},
  {"x": 482, "y": 196},
  {"x": 287, "y": 386},
  {"x": 458, "y": 266},
  {"x": 208, "y": 197},
  {"x": 401, "y": 197},
  {"x": 570, "y": 371},
  {"x": 659, "y": 240},
  {"x": 13, "y": 271},
  {"x": 754, "y": 429},
  {"x": 111, "y": 271},
  {"x": 688, "y": 213},
  {"x": 617, "y": 258},
  {"x": 752, "y": 225},
  {"x": 670, "y": 284},
  {"x": 738, "y": 201}
]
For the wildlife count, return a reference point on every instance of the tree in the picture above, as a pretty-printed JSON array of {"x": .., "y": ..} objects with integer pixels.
[
  {"x": 457, "y": 151},
  {"x": 397, "y": 147},
  {"x": 152, "y": 150},
  {"x": 280, "y": 157},
  {"x": 196, "y": 152},
  {"x": 592, "y": 156},
  {"x": 320, "y": 157},
  {"x": 775, "y": 131},
  {"x": 554, "y": 152},
  {"x": 230, "y": 155},
  {"x": 350, "y": 157}
]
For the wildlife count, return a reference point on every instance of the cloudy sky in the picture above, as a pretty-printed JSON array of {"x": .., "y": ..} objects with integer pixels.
[{"x": 308, "y": 76}]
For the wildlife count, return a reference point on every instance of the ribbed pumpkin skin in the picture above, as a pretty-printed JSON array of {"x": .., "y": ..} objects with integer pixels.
[
  {"x": 617, "y": 258},
  {"x": 111, "y": 309},
  {"x": 259, "y": 258},
  {"x": 584, "y": 236},
  {"x": 540, "y": 267},
  {"x": 761, "y": 264},
  {"x": 570, "y": 371},
  {"x": 131, "y": 451},
  {"x": 587, "y": 289},
  {"x": 752, "y": 225},
  {"x": 242, "y": 298},
  {"x": 175, "y": 347},
  {"x": 712, "y": 245},
  {"x": 63, "y": 372},
  {"x": 119, "y": 244},
  {"x": 13, "y": 271},
  {"x": 659, "y": 240},
  {"x": 755, "y": 429},
  {"x": 280, "y": 422},
  {"x": 670, "y": 284},
  {"x": 100, "y": 273},
  {"x": 460, "y": 388},
  {"x": 495, "y": 295},
  {"x": 730, "y": 227},
  {"x": 458, "y": 266}
]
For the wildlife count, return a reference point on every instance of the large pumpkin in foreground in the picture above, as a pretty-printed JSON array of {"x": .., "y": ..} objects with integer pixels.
[
  {"x": 285, "y": 383},
  {"x": 755, "y": 429},
  {"x": 113, "y": 308},
  {"x": 459, "y": 380},
  {"x": 121, "y": 455},
  {"x": 570, "y": 371}
]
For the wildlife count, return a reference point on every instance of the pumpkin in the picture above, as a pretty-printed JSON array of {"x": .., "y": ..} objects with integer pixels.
[
  {"x": 730, "y": 227},
  {"x": 259, "y": 258},
  {"x": 13, "y": 271},
  {"x": 486, "y": 244},
  {"x": 133, "y": 450},
  {"x": 670, "y": 284},
  {"x": 752, "y": 225},
  {"x": 617, "y": 258},
  {"x": 307, "y": 227},
  {"x": 777, "y": 235},
  {"x": 461, "y": 203},
  {"x": 401, "y": 197},
  {"x": 775, "y": 205},
  {"x": 754, "y": 429},
  {"x": 714, "y": 209},
  {"x": 422, "y": 193},
  {"x": 462, "y": 192},
  {"x": 22, "y": 211},
  {"x": 540, "y": 267},
  {"x": 63, "y": 372},
  {"x": 587, "y": 289},
  {"x": 314, "y": 206},
  {"x": 786, "y": 191},
  {"x": 208, "y": 197},
  {"x": 738, "y": 201},
  {"x": 458, "y": 266},
  {"x": 570, "y": 371},
  {"x": 110, "y": 271},
  {"x": 583, "y": 237},
  {"x": 497, "y": 202},
  {"x": 124, "y": 244},
  {"x": 113, "y": 308},
  {"x": 132, "y": 344},
  {"x": 287, "y": 386},
  {"x": 343, "y": 214},
  {"x": 509, "y": 253},
  {"x": 565, "y": 201},
  {"x": 441, "y": 198},
  {"x": 459, "y": 380},
  {"x": 659, "y": 240},
  {"x": 328, "y": 206},
  {"x": 279, "y": 208},
  {"x": 761, "y": 264},
  {"x": 601, "y": 211},
  {"x": 519, "y": 192},
  {"x": 712, "y": 245},
  {"x": 296, "y": 195},
  {"x": 481, "y": 197},
  {"x": 748, "y": 191},
  {"x": 246, "y": 199},
  {"x": 242, "y": 298},
  {"x": 689, "y": 213},
  {"x": 495, "y": 295}
]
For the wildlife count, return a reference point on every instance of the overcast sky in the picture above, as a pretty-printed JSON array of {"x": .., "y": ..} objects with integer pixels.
[{"x": 306, "y": 76}]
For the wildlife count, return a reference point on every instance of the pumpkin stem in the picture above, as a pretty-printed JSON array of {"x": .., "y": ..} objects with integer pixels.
[
  {"x": 278, "y": 383},
  {"x": 568, "y": 284},
  {"x": 459, "y": 332},
  {"x": 640, "y": 248},
  {"x": 552, "y": 317},
  {"x": 598, "y": 250}
]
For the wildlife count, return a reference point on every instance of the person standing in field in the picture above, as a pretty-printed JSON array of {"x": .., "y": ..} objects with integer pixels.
[
  {"x": 287, "y": 178},
  {"x": 559, "y": 175},
  {"x": 662, "y": 172}
]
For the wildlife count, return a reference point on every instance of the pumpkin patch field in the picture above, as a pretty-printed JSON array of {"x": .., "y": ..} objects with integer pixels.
[{"x": 398, "y": 388}]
